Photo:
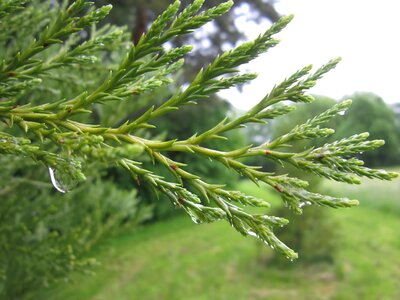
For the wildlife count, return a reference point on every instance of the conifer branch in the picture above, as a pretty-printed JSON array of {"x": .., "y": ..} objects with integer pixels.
[{"x": 56, "y": 134}]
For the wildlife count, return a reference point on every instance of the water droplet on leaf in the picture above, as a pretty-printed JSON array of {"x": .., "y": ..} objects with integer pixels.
[
  {"x": 62, "y": 182},
  {"x": 194, "y": 218},
  {"x": 252, "y": 233}
]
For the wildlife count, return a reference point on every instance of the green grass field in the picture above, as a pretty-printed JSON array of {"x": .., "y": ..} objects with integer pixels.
[{"x": 177, "y": 259}]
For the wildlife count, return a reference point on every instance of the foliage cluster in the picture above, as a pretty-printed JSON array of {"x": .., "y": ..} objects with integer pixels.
[
  {"x": 46, "y": 235},
  {"x": 139, "y": 14},
  {"x": 312, "y": 233},
  {"x": 58, "y": 81}
]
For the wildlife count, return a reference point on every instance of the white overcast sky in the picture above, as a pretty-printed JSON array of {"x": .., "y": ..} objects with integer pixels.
[{"x": 365, "y": 33}]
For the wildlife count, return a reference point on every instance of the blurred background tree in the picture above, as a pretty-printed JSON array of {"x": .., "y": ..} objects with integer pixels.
[
  {"x": 138, "y": 15},
  {"x": 369, "y": 113}
]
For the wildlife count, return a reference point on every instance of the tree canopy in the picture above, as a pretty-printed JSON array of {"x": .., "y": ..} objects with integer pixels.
[{"x": 369, "y": 113}]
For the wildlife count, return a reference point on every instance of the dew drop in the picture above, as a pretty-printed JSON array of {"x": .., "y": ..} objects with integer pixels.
[
  {"x": 83, "y": 34},
  {"x": 269, "y": 245},
  {"x": 252, "y": 233},
  {"x": 61, "y": 182},
  {"x": 194, "y": 218},
  {"x": 55, "y": 182},
  {"x": 302, "y": 204}
]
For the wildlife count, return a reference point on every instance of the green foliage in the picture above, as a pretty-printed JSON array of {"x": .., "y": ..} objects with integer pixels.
[
  {"x": 312, "y": 233},
  {"x": 45, "y": 235},
  {"x": 187, "y": 120},
  {"x": 367, "y": 107},
  {"x": 139, "y": 15},
  {"x": 56, "y": 133}
]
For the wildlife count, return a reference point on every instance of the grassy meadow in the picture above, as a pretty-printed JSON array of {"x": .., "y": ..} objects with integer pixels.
[{"x": 177, "y": 259}]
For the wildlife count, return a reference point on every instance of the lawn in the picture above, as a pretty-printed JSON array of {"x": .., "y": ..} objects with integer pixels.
[{"x": 177, "y": 259}]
